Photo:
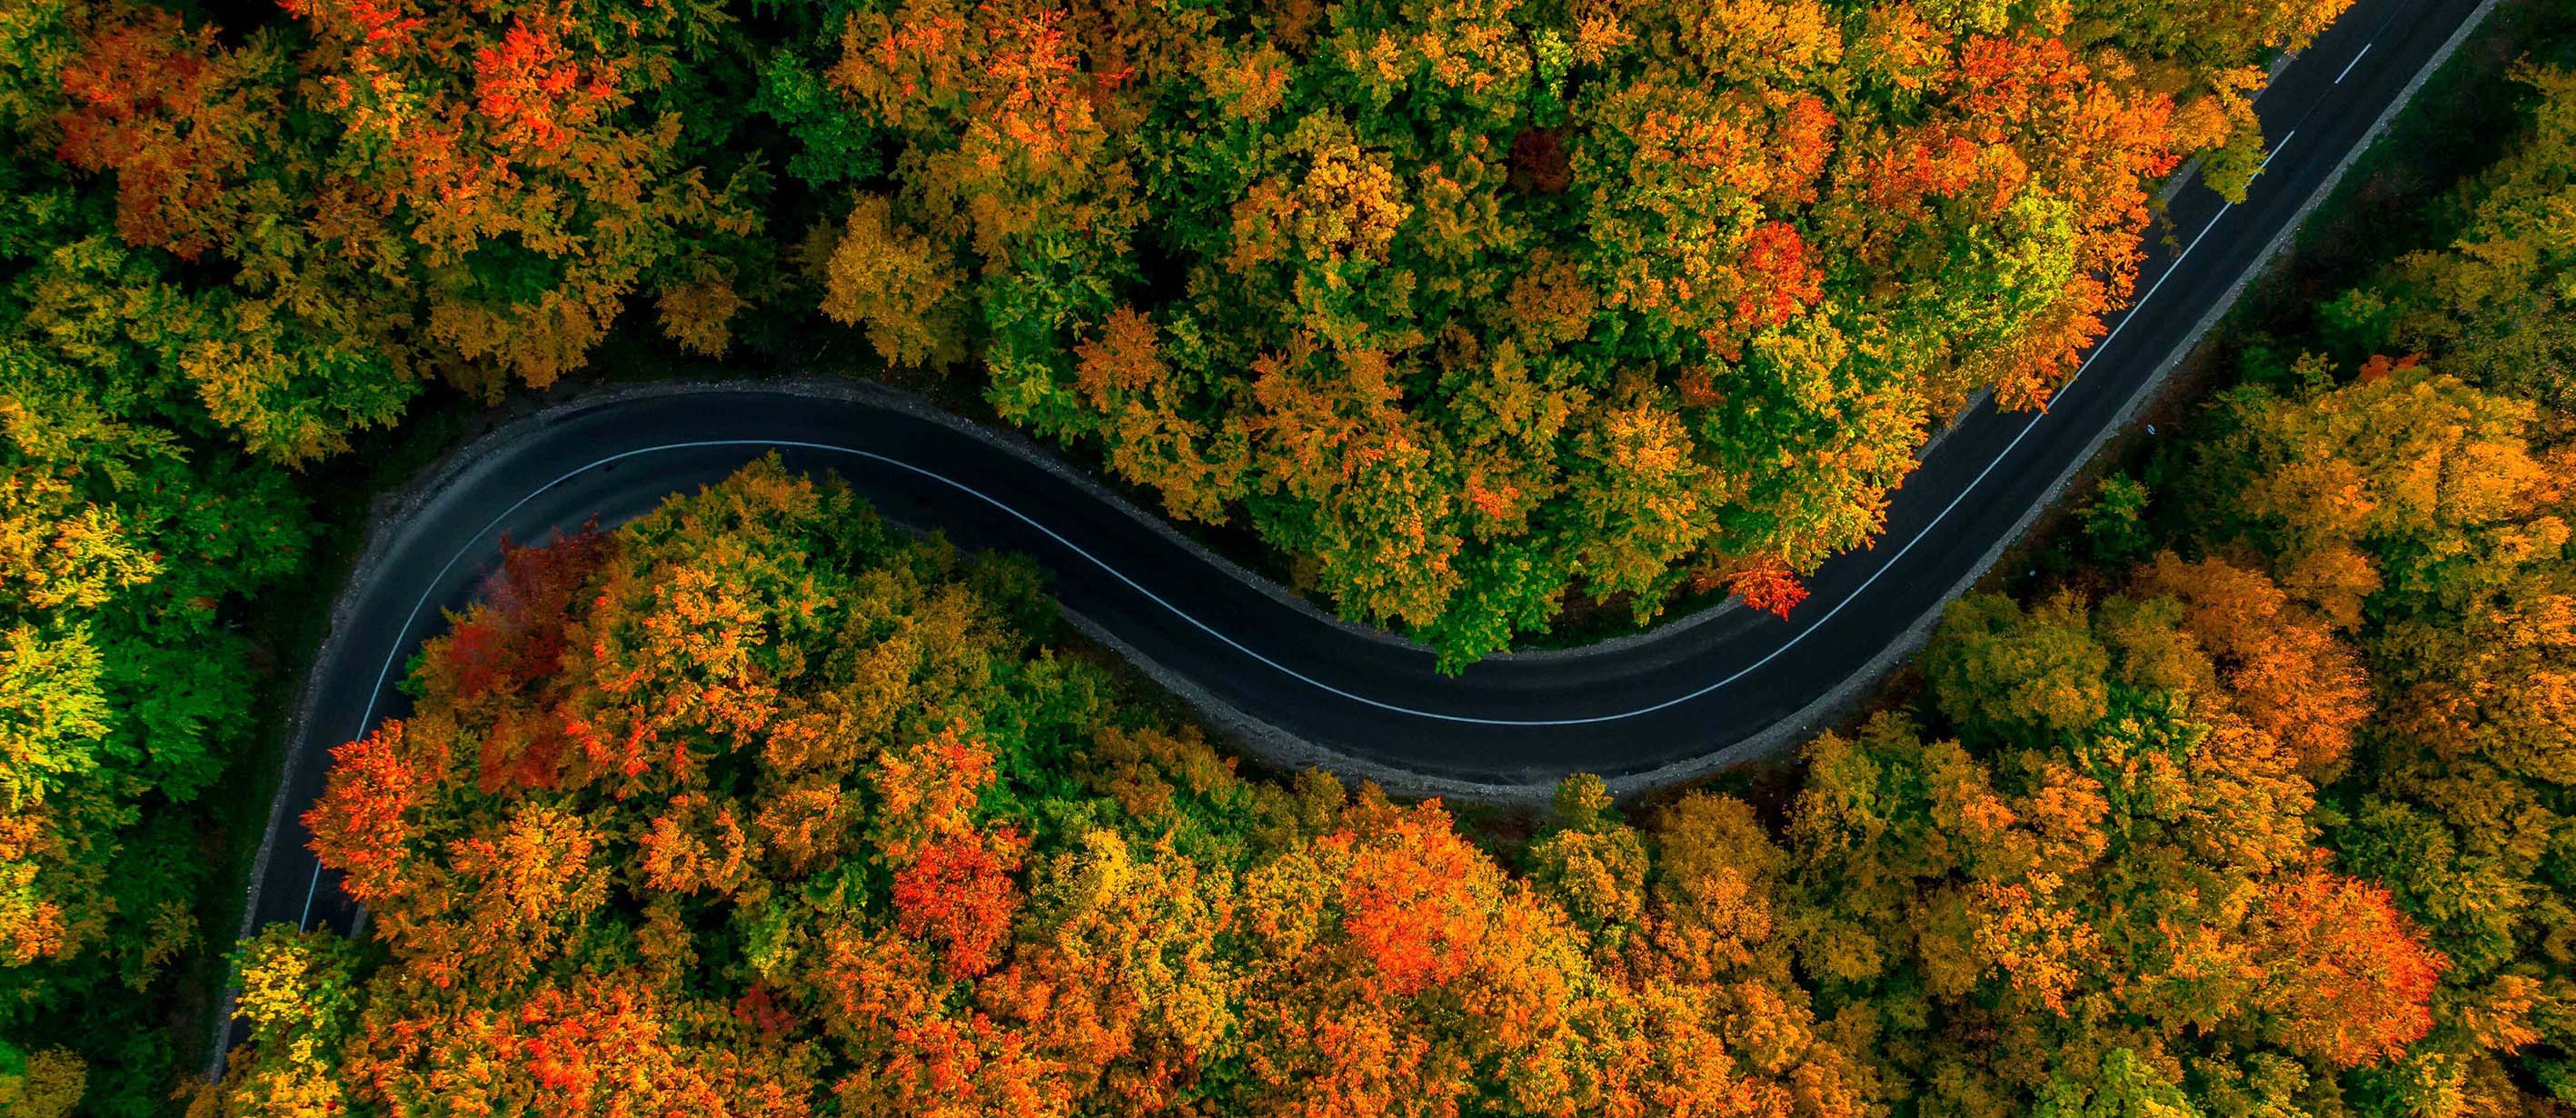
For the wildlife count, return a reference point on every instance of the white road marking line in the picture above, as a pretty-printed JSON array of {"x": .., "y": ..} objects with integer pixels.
[
  {"x": 367, "y": 721},
  {"x": 2267, "y": 162},
  {"x": 304, "y": 923},
  {"x": 2356, "y": 61}
]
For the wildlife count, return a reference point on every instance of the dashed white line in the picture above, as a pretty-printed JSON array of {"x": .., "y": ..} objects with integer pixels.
[{"x": 2356, "y": 61}]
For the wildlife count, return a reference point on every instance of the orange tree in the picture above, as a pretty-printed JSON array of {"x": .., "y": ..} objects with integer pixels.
[
  {"x": 2406, "y": 516},
  {"x": 2426, "y": 517},
  {"x": 756, "y": 804}
]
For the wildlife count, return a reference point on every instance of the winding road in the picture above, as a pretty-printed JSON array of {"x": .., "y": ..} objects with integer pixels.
[{"x": 1677, "y": 700}]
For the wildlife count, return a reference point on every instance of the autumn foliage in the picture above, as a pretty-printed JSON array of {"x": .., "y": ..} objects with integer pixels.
[
  {"x": 815, "y": 830},
  {"x": 1472, "y": 306},
  {"x": 399, "y": 190},
  {"x": 1465, "y": 307},
  {"x": 2371, "y": 565},
  {"x": 1468, "y": 309}
]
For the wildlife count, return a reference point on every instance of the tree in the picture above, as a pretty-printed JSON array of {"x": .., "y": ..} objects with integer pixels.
[
  {"x": 300, "y": 997},
  {"x": 2281, "y": 668},
  {"x": 1996, "y": 667},
  {"x": 131, "y": 534},
  {"x": 2492, "y": 301},
  {"x": 892, "y": 283},
  {"x": 2346, "y": 979},
  {"x": 2437, "y": 518},
  {"x": 2105, "y": 883}
]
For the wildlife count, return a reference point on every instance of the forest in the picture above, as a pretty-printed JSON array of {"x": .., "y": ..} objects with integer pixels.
[
  {"x": 1457, "y": 307},
  {"x": 1464, "y": 310},
  {"x": 756, "y": 806}
]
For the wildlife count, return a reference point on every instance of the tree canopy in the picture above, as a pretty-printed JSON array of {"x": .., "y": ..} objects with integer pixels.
[
  {"x": 1466, "y": 310},
  {"x": 1460, "y": 307},
  {"x": 1471, "y": 305},
  {"x": 756, "y": 806}
]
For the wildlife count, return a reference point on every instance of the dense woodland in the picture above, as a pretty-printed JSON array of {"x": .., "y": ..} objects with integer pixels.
[
  {"x": 753, "y": 807},
  {"x": 1456, "y": 305},
  {"x": 755, "y": 804},
  {"x": 1483, "y": 298},
  {"x": 757, "y": 807},
  {"x": 1464, "y": 307}
]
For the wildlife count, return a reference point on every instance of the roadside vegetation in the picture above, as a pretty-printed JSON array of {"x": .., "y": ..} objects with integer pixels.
[
  {"x": 1457, "y": 308},
  {"x": 756, "y": 806},
  {"x": 1462, "y": 310},
  {"x": 2262, "y": 812}
]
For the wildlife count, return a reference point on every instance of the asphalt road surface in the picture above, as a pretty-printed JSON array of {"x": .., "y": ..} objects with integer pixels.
[{"x": 1637, "y": 709}]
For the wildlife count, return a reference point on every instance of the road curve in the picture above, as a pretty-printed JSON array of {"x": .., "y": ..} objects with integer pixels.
[{"x": 1640, "y": 710}]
